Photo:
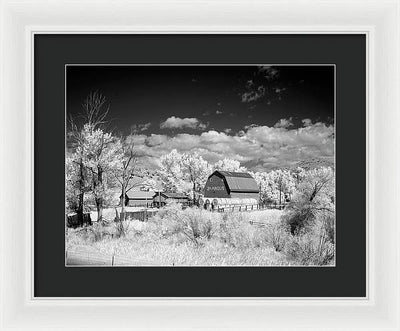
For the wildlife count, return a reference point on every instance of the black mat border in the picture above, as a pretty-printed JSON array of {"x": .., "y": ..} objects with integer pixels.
[{"x": 53, "y": 279}]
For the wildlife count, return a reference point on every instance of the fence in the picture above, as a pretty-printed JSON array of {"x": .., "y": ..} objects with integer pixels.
[
  {"x": 144, "y": 215},
  {"x": 248, "y": 208},
  {"x": 272, "y": 206},
  {"x": 142, "y": 205}
]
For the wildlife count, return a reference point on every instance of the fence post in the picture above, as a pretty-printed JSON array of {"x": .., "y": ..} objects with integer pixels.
[{"x": 112, "y": 260}]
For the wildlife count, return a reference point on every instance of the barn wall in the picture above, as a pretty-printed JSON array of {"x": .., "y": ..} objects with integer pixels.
[
  {"x": 215, "y": 188},
  {"x": 243, "y": 195},
  {"x": 139, "y": 202},
  {"x": 158, "y": 198}
]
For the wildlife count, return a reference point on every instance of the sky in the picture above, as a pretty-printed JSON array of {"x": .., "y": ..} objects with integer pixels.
[{"x": 266, "y": 116}]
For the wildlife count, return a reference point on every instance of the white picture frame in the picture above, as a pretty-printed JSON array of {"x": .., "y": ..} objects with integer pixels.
[{"x": 378, "y": 20}]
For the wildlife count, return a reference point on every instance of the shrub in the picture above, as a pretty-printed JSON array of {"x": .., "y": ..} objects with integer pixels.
[
  {"x": 121, "y": 226},
  {"x": 314, "y": 247},
  {"x": 170, "y": 211},
  {"x": 196, "y": 225},
  {"x": 236, "y": 231},
  {"x": 299, "y": 216},
  {"x": 278, "y": 236},
  {"x": 97, "y": 232},
  {"x": 328, "y": 222},
  {"x": 314, "y": 197},
  {"x": 308, "y": 250}
]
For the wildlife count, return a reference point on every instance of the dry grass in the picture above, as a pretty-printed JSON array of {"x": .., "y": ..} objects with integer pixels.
[{"x": 195, "y": 237}]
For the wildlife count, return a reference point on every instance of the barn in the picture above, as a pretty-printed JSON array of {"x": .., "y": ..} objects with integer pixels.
[
  {"x": 162, "y": 198},
  {"x": 226, "y": 189}
]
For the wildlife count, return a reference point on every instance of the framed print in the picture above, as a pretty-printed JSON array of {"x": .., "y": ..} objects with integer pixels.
[{"x": 188, "y": 171}]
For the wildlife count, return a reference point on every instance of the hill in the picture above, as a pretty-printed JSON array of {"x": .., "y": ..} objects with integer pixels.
[{"x": 314, "y": 163}]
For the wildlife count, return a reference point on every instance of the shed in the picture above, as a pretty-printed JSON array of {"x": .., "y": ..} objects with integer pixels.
[
  {"x": 139, "y": 198},
  {"x": 162, "y": 198},
  {"x": 227, "y": 184}
]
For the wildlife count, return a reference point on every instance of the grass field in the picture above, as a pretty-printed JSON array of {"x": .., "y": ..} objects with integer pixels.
[{"x": 192, "y": 237}]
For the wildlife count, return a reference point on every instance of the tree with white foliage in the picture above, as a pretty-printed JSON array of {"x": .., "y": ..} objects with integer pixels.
[
  {"x": 101, "y": 156},
  {"x": 285, "y": 184},
  {"x": 313, "y": 200},
  {"x": 94, "y": 113},
  {"x": 229, "y": 165},
  {"x": 187, "y": 172},
  {"x": 73, "y": 188},
  {"x": 266, "y": 186},
  {"x": 196, "y": 171},
  {"x": 319, "y": 184},
  {"x": 171, "y": 172},
  {"x": 275, "y": 186}
]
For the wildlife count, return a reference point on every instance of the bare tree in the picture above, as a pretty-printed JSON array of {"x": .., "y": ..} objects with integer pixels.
[{"x": 95, "y": 110}]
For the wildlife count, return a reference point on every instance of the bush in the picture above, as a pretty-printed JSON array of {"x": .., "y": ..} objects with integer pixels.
[
  {"x": 278, "y": 236},
  {"x": 313, "y": 197},
  {"x": 236, "y": 231},
  {"x": 97, "y": 232},
  {"x": 328, "y": 223},
  {"x": 193, "y": 224},
  {"x": 121, "y": 226},
  {"x": 310, "y": 250},
  {"x": 196, "y": 225},
  {"x": 298, "y": 217},
  {"x": 316, "y": 246},
  {"x": 170, "y": 211}
]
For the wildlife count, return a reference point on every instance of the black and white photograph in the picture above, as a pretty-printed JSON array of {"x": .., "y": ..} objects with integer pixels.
[{"x": 200, "y": 165}]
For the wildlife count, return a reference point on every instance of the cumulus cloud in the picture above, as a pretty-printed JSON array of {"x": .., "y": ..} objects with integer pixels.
[
  {"x": 256, "y": 147},
  {"x": 284, "y": 123},
  {"x": 181, "y": 123},
  {"x": 254, "y": 95},
  {"x": 228, "y": 130},
  {"x": 140, "y": 127},
  {"x": 270, "y": 73},
  {"x": 259, "y": 86},
  {"x": 279, "y": 90}
]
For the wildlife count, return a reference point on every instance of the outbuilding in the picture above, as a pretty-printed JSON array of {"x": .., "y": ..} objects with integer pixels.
[
  {"x": 160, "y": 199},
  {"x": 139, "y": 198}
]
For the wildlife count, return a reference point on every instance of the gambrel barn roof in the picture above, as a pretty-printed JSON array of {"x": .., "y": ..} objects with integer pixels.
[{"x": 238, "y": 181}]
